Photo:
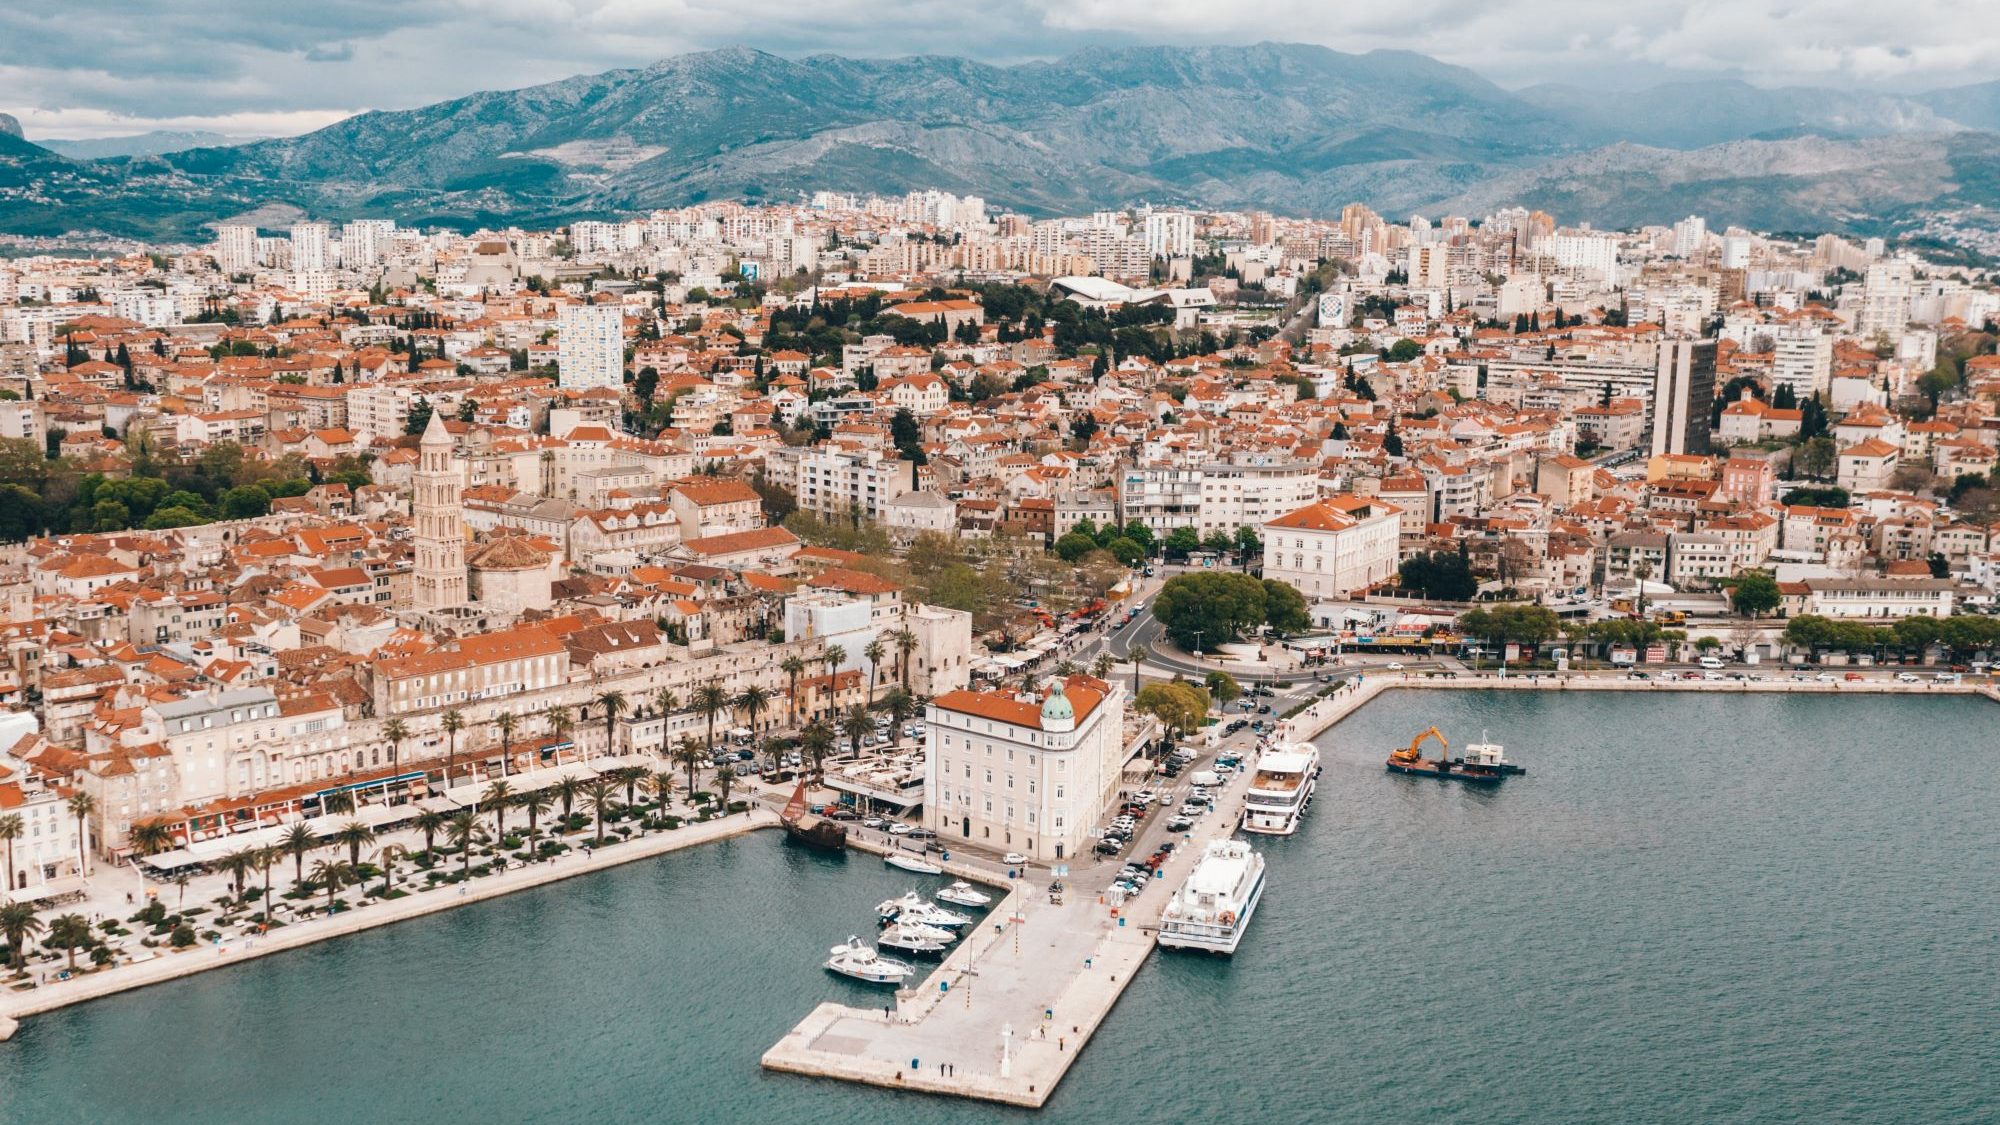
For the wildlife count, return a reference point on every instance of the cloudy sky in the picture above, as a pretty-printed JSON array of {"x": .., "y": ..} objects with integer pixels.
[{"x": 93, "y": 68}]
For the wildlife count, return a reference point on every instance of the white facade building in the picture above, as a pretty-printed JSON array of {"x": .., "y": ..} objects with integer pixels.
[
  {"x": 1334, "y": 546},
  {"x": 312, "y": 247},
  {"x": 1015, "y": 773},
  {"x": 590, "y": 346}
]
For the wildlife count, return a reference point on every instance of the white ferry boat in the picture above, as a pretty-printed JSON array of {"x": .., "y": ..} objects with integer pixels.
[
  {"x": 1213, "y": 908},
  {"x": 1281, "y": 790}
]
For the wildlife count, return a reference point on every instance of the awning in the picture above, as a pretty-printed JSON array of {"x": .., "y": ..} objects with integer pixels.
[
  {"x": 205, "y": 851},
  {"x": 44, "y": 892},
  {"x": 169, "y": 861},
  {"x": 375, "y": 816},
  {"x": 440, "y": 802}
]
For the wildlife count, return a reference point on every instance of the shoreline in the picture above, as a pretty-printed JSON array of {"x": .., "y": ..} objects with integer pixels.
[
  {"x": 16, "y": 1004},
  {"x": 1324, "y": 714}
]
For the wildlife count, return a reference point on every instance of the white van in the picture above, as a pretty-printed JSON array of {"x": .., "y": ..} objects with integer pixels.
[
  {"x": 1205, "y": 778},
  {"x": 1712, "y": 663}
]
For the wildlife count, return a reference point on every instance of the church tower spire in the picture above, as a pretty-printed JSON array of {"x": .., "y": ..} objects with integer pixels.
[{"x": 440, "y": 529}]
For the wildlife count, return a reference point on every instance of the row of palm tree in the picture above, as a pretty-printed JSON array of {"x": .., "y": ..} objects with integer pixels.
[
  {"x": 19, "y": 925},
  {"x": 80, "y": 805}
]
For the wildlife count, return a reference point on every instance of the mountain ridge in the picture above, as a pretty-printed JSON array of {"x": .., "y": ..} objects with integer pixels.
[{"x": 1291, "y": 128}]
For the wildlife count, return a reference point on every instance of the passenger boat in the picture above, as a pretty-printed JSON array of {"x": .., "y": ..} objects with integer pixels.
[
  {"x": 962, "y": 893},
  {"x": 915, "y": 863},
  {"x": 859, "y": 960},
  {"x": 914, "y": 937},
  {"x": 809, "y": 829},
  {"x": 1281, "y": 790},
  {"x": 1213, "y": 907},
  {"x": 1409, "y": 761}
]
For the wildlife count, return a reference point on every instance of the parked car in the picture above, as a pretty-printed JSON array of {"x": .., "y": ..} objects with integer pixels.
[
  {"x": 1394, "y": 666},
  {"x": 922, "y": 834},
  {"x": 1907, "y": 678},
  {"x": 873, "y": 822},
  {"x": 899, "y": 829},
  {"x": 1013, "y": 859},
  {"x": 1180, "y": 824}
]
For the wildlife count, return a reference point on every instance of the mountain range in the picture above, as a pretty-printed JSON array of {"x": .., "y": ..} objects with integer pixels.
[{"x": 1294, "y": 129}]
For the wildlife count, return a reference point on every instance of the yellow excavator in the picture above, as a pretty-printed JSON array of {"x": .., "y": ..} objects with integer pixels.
[{"x": 1413, "y": 753}]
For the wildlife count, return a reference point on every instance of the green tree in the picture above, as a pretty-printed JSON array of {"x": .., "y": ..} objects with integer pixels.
[
  {"x": 1754, "y": 593},
  {"x": 1439, "y": 575},
  {"x": 1284, "y": 608},
  {"x": 1222, "y": 687},
  {"x": 246, "y": 502},
  {"x": 1180, "y": 705},
  {"x": 1074, "y": 546},
  {"x": 69, "y": 933},
  {"x": 1209, "y": 608},
  {"x": 1126, "y": 551},
  {"x": 1403, "y": 351}
]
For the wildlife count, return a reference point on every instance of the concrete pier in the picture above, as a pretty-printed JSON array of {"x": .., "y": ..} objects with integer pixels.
[{"x": 1008, "y": 1012}]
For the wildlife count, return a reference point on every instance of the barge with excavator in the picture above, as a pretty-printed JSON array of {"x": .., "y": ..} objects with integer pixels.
[{"x": 1484, "y": 763}]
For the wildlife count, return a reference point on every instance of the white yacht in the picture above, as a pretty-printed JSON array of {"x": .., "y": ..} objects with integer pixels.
[
  {"x": 915, "y": 937},
  {"x": 859, "y": 960},
  {"x": 1213, "y": 908},
  {"x": 963, "y": 893},
  {"x": 913, "y": 907},
  {"x": 1281, "y": 790},
  {"x": 915, "y": 863}
]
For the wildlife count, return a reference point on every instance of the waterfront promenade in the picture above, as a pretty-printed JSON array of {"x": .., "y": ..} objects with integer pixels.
[{"x": 166, "y": 966}]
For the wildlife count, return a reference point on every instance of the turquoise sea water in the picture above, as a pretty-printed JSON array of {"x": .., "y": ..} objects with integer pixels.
[{"x": 1692, "y": 909}]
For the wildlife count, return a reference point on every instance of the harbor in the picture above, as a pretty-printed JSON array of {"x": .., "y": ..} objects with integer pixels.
[{"x": 1008, "y": 1012}]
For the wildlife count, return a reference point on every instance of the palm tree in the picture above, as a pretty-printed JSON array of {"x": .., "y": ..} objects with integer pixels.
[
  {"x": 567, "y": 791},
  {"x": 661, "y": 785},
  {"x": 387, "y": 857},
  {"x": 856, "y": 725},
  {"x": 559, "y": 721},
  {"x": 70, "y": 931},
  {"x": 11, "y": 829},
  {"x": 833, "y": 656},
  {"x": 430, "y": 822},
  {"x": 666, "y": 702},
  {"x": 465, "y": 831},
  {"x": 597, "y": 798},
  {"x": 356, "y": 836},
  {"x": 906, "y": 643},
  {"x": 18, "y": 924},
  {"x": 1102, "y": 666},
  {"x": 453, "y": 722},
  {"x": 505, "y": 722},
  {"x": 333, "y": 874},
  {"x": 238, "y": 864},
  {"x": 1067, "y": 668},
  {"x": 333, "y": 804},
  {"x": 395, "y": 732},
  {"x": 793, "y": 666},
  {"x": 900, "y": 704},
  {"x": 497, "y": 797},
  {"x": 147, "y": 837},
  {"x": 753, "y": 702},
  {"x": 711, "y": 700},
  {"x": 298, "y": 841},
  {"x": 688, "y": 753},
  {"x": 81, "y": 805},
  {"x": 181, "y": 881},
  {"x": 534, "y": 804},
  {"x": 725, "y": 778},
  {"x": 817, "y": 740},
  {"x": 874, "y": 653},
  {"x": 265, "y": 859},
  {"x": 630, "y": 775},
  {"x": 613, "y": 703}
]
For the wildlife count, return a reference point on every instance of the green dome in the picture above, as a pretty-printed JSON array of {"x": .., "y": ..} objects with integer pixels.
[{"x": 1056, "y": 709}]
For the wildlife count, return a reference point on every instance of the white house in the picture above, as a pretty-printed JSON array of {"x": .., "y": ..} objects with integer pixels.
[{"x": 1333, "y": 546}]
